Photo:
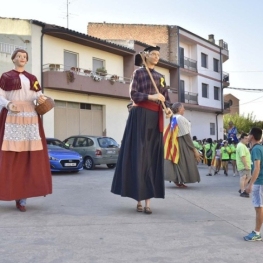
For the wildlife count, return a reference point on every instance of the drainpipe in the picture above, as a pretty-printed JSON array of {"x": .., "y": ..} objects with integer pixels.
[
  {"x": 178, "y": 49},
  {"x": 218, "y": 113},
  {"x": 222, "y": 97},
  {"x": 41, "y": 59}
]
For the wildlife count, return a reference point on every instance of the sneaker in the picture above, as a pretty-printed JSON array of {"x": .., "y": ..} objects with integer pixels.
[
  {"x": 244, "y": 194},
  {"x": 209, "y": 175},
  {"x": 215, "y": 172},
  {"x": 253, "y": 237},
  {"x": 234, "y": 175},
  {"x": 239, "y": 191}
]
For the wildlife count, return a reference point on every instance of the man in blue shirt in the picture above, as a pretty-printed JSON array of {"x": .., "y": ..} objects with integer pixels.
[{"x": 256, "y": 183}]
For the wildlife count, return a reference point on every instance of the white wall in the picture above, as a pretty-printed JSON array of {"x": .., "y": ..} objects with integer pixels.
[
  {"x": 200, "y": 124},
  {"x": 54, "y": 53},
  {"x": 210, "y": 101}
]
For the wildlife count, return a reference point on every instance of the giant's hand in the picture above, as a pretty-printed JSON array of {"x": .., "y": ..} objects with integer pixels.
[
  {"x": 41, "y": 99},
  {"x": 12, "y": 107},
  {"x": 198, "y": 155},
  {"x": 168, "y": 113}
]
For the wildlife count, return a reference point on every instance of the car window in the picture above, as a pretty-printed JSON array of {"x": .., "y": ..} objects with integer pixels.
[
  {"x": 90, "y": 142},
  {"x": 107, "y": 142},
  {"x": 81, "y": 142},
  {"x": 69, "y": 142}
]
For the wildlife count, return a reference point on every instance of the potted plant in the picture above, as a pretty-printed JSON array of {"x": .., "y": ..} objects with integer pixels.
[
  {"x": 101, "y": 71},
  {"x": 113, "y": 78},
  {"x": 51, "y": 66}
]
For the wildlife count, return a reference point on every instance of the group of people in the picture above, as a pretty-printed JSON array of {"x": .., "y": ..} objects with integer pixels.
[{"x": 149, "y": 154}]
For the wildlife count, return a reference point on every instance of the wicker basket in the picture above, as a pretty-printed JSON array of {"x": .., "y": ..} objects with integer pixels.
[{"x": 46, "y": 106}]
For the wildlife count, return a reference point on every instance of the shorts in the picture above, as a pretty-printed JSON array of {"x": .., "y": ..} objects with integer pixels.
[
  {"x": 209, "y": 161},
  {"x": 257, "y": 195},
  {"x": 244, "y": 172}
]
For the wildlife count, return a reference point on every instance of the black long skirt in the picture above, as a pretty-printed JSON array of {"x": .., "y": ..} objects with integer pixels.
[{"x": 139, "y": 172}]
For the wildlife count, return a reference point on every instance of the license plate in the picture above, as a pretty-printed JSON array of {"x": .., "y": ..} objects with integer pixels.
[
  {"x": 111, "y": 152},
  {"x": 70, "y": 164}
]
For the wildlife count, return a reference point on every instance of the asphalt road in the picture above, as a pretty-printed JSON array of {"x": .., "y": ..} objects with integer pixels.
[{"x": 83, "y": 222}]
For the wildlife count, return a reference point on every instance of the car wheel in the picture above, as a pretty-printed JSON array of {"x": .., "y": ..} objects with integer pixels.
[
  {"x": 112, "y": 165},
  {"x": 88, "y": 163}
]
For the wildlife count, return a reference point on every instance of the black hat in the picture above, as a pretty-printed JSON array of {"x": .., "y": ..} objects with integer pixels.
[
  {"x": 151, "y": 48},
  {"x": 138, "y": 58}
]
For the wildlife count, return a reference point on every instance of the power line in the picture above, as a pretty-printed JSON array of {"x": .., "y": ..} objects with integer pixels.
[{"x": 244, "y": 89}]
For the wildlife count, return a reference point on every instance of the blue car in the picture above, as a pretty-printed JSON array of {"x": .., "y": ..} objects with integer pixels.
[{"x": 64, "y": 160}]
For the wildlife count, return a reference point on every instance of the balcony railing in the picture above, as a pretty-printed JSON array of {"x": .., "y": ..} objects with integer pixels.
[
  {"x": 223, "y": 44},
  {"x": 225, "y": 77},
  {"x": 189, "y": 97},
  {"x": 189, "y": 63},
  {"x": 85, "y": 72},
  {"x": 8, "y": 48}
]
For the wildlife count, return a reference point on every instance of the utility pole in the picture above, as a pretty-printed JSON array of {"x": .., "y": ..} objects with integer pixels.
[{"x": 67, "y": 12}]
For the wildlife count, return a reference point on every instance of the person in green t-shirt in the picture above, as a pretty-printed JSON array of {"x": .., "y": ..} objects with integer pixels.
[
  {"x": 243, "y": 160},
  {"x": 209, "y": 147},
  {"x": 225, "y": 156}
]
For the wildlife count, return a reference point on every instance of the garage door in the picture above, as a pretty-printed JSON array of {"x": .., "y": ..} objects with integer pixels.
[{"x": 73, "y": 118}]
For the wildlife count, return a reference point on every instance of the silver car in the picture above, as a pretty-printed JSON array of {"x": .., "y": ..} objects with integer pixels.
[{"x": 95, "y": 150}]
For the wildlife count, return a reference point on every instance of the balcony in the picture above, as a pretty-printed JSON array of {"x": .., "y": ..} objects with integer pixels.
[
  {"x": 225, "y": 80},
  {"x": 189, "y": 64},
  {"x": 85, "y": 81},
  {"x": 189, "y": 97}
]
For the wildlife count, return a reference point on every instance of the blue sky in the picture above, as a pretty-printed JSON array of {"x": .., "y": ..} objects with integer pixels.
[{"x": 237, "y": 22}]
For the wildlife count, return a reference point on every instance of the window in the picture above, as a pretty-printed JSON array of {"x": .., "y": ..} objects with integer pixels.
[
  {"x": 212, "y": 129},
  {"x": 70, "y": 60},
  {"x": 181, "y": 50},
  {"x": 182, "y": 91},
  {"x": 203, "y": 60},
  {"x": 97, "y": 63},
  {"x": 204, "y": 90},
  {"x": 216, "y": 65},
  {"x": 216, "y": 93}
]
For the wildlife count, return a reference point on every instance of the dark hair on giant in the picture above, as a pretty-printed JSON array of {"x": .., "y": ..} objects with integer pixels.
[
  {"x": 256, "y": 132},
  {"x": 19, "y": 50}
]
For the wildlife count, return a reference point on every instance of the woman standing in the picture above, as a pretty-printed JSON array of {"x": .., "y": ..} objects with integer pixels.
[
  {"x": 24, "y": 162},
  {"x": 139, "y": 170},
  {"x": 181, "y": 156}
]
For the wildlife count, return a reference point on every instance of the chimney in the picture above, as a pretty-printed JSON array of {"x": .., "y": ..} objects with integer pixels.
[{"x": 211, "y": 38}]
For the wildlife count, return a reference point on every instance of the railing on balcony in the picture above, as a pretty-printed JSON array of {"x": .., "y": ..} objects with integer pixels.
[
  {"x": 225, "y": 77},
  {"x": 223, "y": 44},
  {"x": 189, "y": 97},
  {"x": 8, "y": 48},
  {"x": 189, "y": 63},
  {"x": 85, "y": 72}
]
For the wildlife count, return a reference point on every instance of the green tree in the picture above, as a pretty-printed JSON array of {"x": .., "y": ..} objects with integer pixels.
[{"x": 241, "y": 122}]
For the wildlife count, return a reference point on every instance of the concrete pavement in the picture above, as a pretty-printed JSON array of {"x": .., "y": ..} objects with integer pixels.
[{"x": 83, "y": 222}]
